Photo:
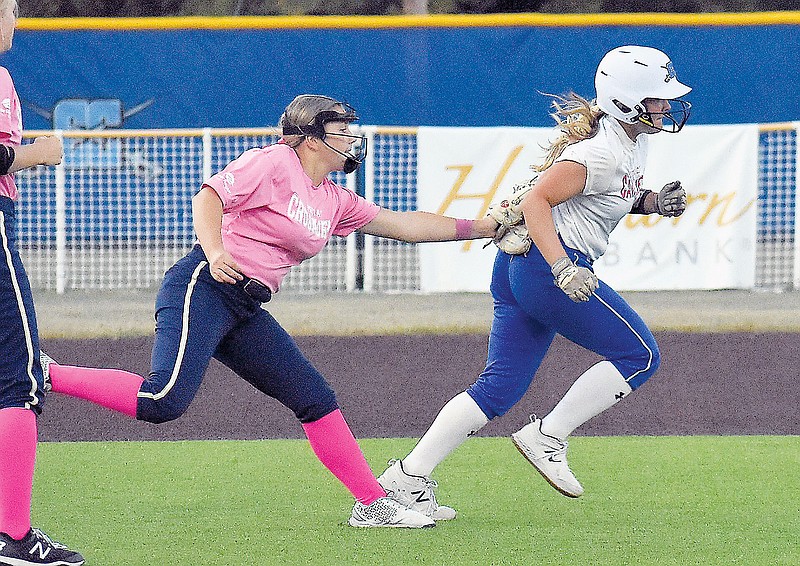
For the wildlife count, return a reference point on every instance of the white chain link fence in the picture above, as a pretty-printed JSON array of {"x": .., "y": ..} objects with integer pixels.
[{"x": 117, "y": 213}]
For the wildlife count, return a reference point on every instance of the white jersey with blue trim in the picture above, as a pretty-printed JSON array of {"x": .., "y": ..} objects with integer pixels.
[{"x": 614, "y": 173}]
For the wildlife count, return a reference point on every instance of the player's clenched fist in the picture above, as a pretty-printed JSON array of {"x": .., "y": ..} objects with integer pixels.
[
  {"x": 49, "y": 150},
  {"x": 671, "y": 200},
  {"x": 579, "y": 283}
]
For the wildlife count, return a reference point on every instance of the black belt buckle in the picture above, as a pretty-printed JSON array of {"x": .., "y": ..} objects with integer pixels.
[{"x": 257, "y": 290}]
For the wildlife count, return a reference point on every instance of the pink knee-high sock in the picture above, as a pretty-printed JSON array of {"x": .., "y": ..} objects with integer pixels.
[
  {"x": 18, "y": 437},
  {"x": 336, "y": 447},
  {"x": 112, "y": 388}
]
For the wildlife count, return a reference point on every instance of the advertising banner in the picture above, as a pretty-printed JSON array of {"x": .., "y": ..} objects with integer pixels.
[{"x": 712, "y": 246}]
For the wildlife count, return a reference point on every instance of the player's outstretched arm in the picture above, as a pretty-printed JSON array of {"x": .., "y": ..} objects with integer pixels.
[
  {"x": 418, "y": 226},
  {"x": 45, "y": 150}
]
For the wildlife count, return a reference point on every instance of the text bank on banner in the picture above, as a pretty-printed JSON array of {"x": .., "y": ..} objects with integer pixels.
[{"x": 461, "y": 171}]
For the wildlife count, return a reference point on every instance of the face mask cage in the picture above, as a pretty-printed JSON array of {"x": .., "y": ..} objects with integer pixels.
[
  {"x": 673, "y": 120},
  {"x": 357, "y": 152}
]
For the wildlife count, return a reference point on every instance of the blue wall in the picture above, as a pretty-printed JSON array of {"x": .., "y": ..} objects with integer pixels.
[{"x": 471, "y": 76}]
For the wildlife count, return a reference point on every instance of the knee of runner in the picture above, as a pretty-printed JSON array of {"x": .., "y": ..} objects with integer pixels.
[
  {"x": 159, "y": 411},
  {"x": 493, "y": 404},
  {"x": 645, "y": 363},
  {"x": 315, "y": 411}
]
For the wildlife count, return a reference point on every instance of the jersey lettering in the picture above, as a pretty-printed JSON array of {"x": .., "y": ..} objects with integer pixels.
[
  {"x": 632, "y": 185},
  {"x": 227, "y": 182},
  {"x": 308, "y": 217}
]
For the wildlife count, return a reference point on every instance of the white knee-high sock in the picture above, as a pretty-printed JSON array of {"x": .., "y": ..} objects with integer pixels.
[
  {"x": 458, "y": 419},
  {"x": 597, "y": 389}
]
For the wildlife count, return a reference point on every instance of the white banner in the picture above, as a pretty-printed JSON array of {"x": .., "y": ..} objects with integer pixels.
[{"x": 712, "y": 246}]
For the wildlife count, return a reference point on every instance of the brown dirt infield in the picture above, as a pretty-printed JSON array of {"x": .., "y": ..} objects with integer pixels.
[{"x": 393, "y": 386}]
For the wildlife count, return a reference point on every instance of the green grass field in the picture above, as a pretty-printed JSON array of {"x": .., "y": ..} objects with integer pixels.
[{"x": 648, "y": 501}]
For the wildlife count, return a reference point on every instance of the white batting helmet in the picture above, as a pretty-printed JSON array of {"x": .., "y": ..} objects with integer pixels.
[{"x": 627, "y": 75}]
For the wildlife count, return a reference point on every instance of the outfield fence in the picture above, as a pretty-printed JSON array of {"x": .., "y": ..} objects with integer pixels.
[{"x": 117, "y": 212}]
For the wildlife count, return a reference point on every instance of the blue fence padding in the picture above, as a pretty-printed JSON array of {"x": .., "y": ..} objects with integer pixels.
[{"x": 409, "y": 76}]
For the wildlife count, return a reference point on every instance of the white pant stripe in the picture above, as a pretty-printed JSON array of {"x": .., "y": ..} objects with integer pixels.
[
  {"x": 184, "y": 337},
  {"x": 638, "y": 336},
  {"x": 23, "y": 313}
]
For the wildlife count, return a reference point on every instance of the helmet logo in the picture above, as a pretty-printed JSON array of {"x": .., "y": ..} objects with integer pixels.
[{"x": 670, "y": 72}]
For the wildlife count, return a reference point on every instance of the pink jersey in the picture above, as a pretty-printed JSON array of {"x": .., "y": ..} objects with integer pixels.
[
  {"x": 10, "y": 127},
  {"x": 274, "y": 217}
]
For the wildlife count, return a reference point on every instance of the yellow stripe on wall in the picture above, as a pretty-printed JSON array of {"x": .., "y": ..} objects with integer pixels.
[{"x": 411, "y": 21}]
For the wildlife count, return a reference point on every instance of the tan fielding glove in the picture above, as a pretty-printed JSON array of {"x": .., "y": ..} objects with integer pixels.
[
  {"x": 515, "y": 241},
  {"x": 512, "y": 236}
]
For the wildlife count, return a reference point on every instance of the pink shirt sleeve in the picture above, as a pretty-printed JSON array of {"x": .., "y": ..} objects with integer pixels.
[
  {"x": 10, "y": 127},
  {"x": 357, "y": 212},
  {"x": 10, "y": 120},
  {"x": 245, "y": 182}
]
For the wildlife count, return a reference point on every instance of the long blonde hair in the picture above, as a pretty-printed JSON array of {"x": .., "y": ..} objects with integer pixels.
[{"x": 577, "y": 118}]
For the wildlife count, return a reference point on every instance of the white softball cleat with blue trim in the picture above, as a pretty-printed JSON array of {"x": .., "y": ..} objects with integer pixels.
[
  {"x": 415, "y": 492},
  {"x": 45, "y": 362},
  {"x": 548, "y": 455}
]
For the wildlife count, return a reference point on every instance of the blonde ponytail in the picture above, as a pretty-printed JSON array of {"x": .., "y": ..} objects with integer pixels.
[{"x": 577, "y": 118}]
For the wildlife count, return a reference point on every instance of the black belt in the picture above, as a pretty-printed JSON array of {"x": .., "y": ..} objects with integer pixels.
[{"x": 256, "y": 289}]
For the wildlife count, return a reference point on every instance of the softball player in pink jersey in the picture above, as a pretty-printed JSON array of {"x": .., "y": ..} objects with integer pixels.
[
  {"x": 22, "y": 391},
  {"x": 591, "y": 179},
  {"x": 267, "y": 211}
]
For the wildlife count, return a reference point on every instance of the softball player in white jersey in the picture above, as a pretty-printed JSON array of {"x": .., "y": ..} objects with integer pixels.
[{"x": 591, "y": 179}]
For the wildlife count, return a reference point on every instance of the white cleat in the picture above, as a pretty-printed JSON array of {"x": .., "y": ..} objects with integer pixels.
[
  {"x": 415, "y": 492},
  {"x": 548, "y": 455},
  {"x": 386, "y": 512}
]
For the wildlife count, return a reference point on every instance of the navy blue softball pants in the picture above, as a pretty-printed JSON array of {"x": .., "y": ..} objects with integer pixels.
[
  {"x": 529, "y": 310},
  {"x": 21, "y": 378},
  {"x": 198, "y": 318}
]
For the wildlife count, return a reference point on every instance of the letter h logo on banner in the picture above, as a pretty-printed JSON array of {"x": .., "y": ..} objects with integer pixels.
[{"x": 487, "y": 197}]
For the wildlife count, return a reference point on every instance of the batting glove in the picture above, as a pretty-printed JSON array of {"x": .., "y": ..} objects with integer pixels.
[
  {"x": 671, "y": 200},
  {"x": 579, "y": 283}
]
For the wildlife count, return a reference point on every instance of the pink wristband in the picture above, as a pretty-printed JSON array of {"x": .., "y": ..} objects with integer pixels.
[{"x": 464, "y": 229}]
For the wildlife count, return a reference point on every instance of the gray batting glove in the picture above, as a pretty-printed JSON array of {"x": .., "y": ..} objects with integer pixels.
[
  {"x": 577, "y": 282},
  {"x": 671, "y": 200}
]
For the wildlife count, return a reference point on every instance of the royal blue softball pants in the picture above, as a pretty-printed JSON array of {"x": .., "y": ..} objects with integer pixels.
[{"x": 529, "y": 310}]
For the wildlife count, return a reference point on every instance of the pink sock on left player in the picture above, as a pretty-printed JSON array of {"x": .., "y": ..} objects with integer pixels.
[
  {"x": 18, "y": 438},
  {"x": 114, "y": 389},
  {"x": 336, "y": 447}
]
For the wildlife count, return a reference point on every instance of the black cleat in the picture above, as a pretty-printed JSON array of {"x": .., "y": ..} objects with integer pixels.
[{"x": 36, "y": 549}]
